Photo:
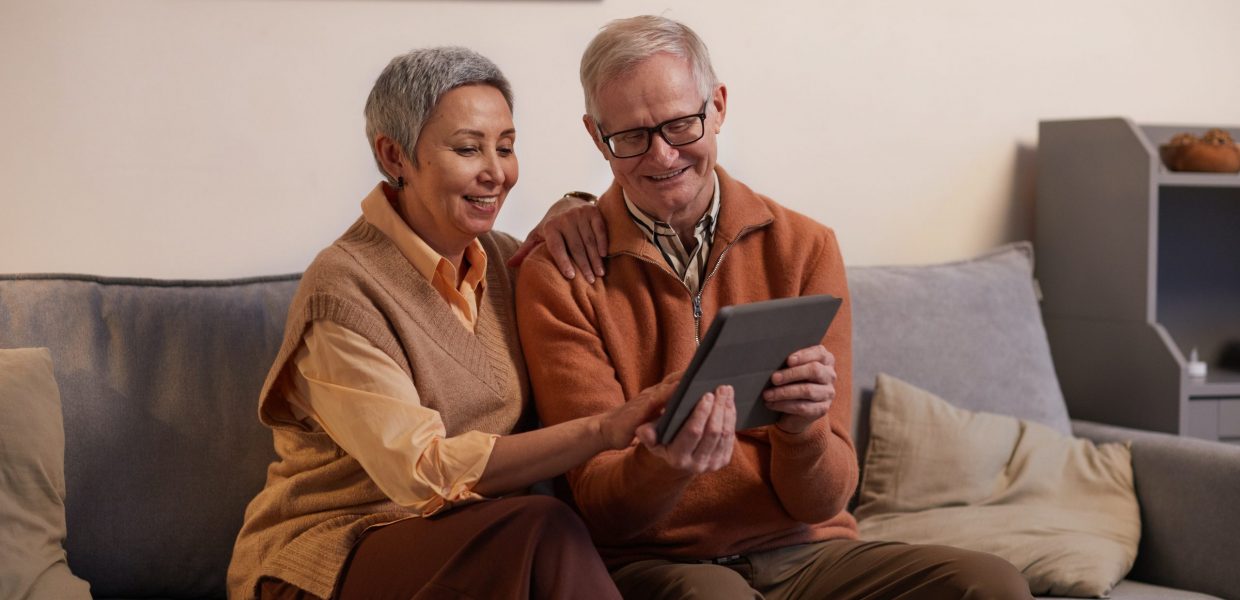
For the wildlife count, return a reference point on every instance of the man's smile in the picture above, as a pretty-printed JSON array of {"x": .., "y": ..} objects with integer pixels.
[{"x": 666, "y": 176}]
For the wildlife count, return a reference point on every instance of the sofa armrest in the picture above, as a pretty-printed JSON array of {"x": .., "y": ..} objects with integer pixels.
[{"x": 1189, "y": 491}]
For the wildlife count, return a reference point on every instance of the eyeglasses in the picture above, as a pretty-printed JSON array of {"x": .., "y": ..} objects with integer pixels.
[{"x": 676, "y": 132}]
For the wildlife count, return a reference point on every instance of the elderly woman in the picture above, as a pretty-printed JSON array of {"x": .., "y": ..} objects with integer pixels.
[{"x": 399, "y": 401}]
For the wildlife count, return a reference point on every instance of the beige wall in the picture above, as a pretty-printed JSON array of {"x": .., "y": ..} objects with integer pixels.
[{"x": 195, "y": 138}]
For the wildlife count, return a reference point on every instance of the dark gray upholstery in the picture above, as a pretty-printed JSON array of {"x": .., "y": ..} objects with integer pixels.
[
  {"x": 159, "y": 381},
  {"x": 163, "y": 449},
  {"x": 1134, "y": 590}
]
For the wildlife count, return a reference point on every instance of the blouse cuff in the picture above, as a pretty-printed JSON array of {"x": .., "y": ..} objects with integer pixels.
[{"x": 450, "y": 468}]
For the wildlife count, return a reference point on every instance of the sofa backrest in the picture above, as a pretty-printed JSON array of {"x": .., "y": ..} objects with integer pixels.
[
  {"x": 969, "y": 331},
  {"x": 159, "y": 383}
]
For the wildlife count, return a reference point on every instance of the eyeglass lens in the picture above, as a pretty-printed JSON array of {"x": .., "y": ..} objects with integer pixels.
[{"x": 676, "y": 132}]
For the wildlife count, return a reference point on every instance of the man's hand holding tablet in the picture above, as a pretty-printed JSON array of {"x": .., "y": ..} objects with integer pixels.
[
  {"x": 704, "y": 443},
  {"x": 803, "y": 391}
]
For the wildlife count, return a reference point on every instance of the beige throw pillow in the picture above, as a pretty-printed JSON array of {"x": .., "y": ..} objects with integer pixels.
[
  {"x": 32, "y": 481},
  {"x": 1061, "y": 509}
]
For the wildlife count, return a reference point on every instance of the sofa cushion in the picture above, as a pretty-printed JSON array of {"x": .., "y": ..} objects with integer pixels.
[
  {"x": 159, "y": 382},
  {"x": 1136, "y": 590},
  {"x": 969, "y": 331},
  {"x": 32, "y": 481},
  {"x": 1061, "y": 509}
]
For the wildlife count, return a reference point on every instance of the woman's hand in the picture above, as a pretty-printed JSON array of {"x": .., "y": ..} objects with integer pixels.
[
  {"x": 520, "y": 459},
  {"x": 574, "y": 232},
  {"x": 618, "y": 426},
  {"x": 704, "y": 443}
]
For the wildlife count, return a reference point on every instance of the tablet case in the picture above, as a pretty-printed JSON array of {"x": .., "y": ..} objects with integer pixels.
[{"x": 745, "y": 344}]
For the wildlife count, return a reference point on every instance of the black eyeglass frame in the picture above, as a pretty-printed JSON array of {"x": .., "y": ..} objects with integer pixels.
[{"x": 650, "y": 131}]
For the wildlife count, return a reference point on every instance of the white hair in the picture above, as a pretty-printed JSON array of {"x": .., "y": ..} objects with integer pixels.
[
  {"x": 624, "y": 43},
  {"x": 409, "y": 89}
]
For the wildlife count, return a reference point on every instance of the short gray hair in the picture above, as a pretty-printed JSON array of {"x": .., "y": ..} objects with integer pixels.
[
  {"x": 409, "y": 89},
  {"x": 624, "y": 43}
]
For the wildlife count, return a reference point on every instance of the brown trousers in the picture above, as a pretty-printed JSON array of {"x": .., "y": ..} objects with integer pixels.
[
  {"x": 836, "y": 569},
  {"x": 522, "y": 547}
]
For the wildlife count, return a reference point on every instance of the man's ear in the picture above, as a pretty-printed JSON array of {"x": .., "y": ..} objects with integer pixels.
[
  {"x": 391, "y": 155},
  {"x": 720, "y": 100},
  {"x": 592, "y": 129}
]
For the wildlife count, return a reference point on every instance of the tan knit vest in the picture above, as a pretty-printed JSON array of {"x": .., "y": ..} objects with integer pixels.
[{"x": 318, "y": 499}]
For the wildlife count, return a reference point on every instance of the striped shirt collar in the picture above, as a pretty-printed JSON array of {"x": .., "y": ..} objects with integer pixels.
[{"x": 690, "y": 267}]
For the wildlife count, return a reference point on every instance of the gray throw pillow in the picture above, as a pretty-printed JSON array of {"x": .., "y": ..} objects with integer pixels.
[
  {"x": 969, "y": 331},
  {"x": 32, "y": 481}
]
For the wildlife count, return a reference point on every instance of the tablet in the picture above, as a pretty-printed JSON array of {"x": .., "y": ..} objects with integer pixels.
[{"x": 744, "y": 345}]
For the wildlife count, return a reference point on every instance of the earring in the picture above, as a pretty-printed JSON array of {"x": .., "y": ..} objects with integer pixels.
[{"x": 400, "y": 182}]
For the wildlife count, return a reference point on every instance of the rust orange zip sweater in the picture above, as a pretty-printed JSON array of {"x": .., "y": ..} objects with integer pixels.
[{"x": 590, "y": 347}]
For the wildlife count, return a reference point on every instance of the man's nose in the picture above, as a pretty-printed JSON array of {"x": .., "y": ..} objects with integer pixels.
[{"x": 662, "y": 152}]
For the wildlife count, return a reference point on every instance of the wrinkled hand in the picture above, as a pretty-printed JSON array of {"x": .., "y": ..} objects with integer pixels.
[
  {"x": 619, "y": 426},
  {"x": 574, "y": 232},
  {"x": 803, "y": 390},
  {"x": 704, "y": 443}
]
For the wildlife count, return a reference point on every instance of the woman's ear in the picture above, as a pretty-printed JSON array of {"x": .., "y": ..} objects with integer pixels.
[{"x": 391, "y": 156}]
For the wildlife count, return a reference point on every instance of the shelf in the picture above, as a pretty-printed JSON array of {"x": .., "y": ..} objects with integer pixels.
[
  {"x": 1138, "y": 264},
  {"x": 1157, "y": 135},
  {"x": 1219, "y": 383},
  {"x": 1180, "y": 179}
]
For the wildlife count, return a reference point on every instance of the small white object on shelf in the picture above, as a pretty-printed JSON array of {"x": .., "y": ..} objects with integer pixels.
[{"x": 1196, "y": 367}]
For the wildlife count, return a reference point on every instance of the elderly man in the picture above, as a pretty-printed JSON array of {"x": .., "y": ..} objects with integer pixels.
[{"x": 715, "y": 513}]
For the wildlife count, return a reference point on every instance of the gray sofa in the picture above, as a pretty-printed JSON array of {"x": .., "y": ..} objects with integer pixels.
[{"x": 159, "y": 379}]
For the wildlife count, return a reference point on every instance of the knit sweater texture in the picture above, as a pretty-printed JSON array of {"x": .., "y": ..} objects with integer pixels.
[
  {"x": 318, "y": 500},
  {"x": 594, "y": 346}
]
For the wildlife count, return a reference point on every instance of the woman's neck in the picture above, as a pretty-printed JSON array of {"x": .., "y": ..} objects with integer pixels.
[{"x": 423, "y": 227}]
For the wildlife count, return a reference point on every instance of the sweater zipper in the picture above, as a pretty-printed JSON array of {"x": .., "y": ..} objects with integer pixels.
[{"x": 697, "y": 299}]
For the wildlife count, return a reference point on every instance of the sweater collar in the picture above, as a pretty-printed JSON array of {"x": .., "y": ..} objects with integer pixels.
[{"x": 740, "y": 210}]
